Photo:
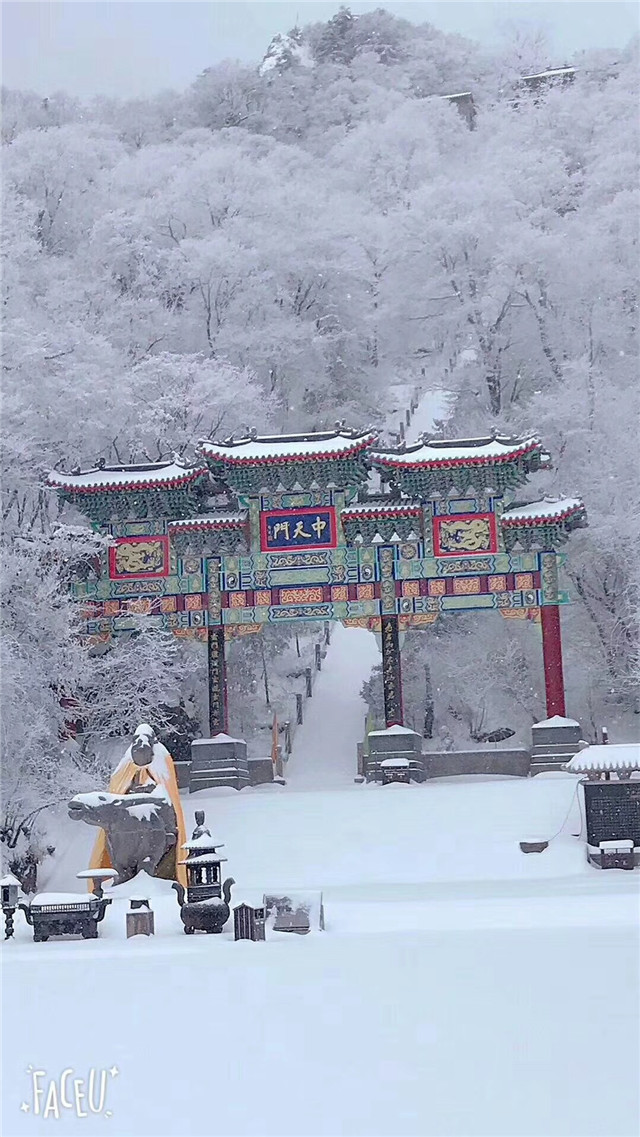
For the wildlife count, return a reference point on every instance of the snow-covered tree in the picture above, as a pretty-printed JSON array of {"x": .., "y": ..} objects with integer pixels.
[{"x": 277, "y": 248}]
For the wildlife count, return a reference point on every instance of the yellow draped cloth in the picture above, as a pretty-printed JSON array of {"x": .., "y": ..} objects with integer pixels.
[{"x": 161, "y": 771}]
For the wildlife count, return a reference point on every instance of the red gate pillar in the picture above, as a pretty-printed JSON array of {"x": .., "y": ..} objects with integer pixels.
[
  {"x": 391, "y": 672},
  {"x": 552, "y": 657}
]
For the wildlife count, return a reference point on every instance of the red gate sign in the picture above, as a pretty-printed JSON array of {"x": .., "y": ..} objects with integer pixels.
[{"x": 298, "y": 529}]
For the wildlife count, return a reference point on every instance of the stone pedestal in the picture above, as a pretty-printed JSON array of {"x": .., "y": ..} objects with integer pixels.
[
  {"x": 182, "y": 770},
  {"x": 555, "y": 741},
  {"x": 219, "y": 761},
  {"x": 394, "y": 742},
  {"x": 260, "y": 771}
]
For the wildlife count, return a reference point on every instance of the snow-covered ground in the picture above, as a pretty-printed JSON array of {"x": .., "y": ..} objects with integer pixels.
[{"x": 460, "y": 987}]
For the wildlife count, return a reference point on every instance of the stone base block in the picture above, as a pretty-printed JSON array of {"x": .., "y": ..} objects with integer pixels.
[
  {"x": 219, "y": 761},
  {"x": 260, "y": 771},
  {"x": 396, "y": 742},
  {"x": 183, "y": 770}
]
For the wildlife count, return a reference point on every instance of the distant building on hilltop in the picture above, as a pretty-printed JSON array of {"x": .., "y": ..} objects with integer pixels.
[
  {"x": 465, "y": 104},
  {"x": 555, "y": 77}
]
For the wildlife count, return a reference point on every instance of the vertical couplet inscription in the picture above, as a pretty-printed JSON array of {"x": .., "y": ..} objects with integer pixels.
[{"x": 391, "y": 672}]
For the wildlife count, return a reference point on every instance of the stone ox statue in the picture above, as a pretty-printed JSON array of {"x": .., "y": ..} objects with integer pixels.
[{"x": 140, "y": 827}]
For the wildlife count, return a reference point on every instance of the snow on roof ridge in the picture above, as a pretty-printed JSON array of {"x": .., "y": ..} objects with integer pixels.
[
  {"x": 287, "y": 446},
  {"x": 115, "y": 476},
  {"x": 547, "y": 507},
  {"x": 436, "y": 451}
]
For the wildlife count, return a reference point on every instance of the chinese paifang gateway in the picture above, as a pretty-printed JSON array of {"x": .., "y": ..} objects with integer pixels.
[{"x": 270, "y": 529}]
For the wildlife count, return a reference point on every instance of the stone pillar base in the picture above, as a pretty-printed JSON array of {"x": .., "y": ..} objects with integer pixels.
[
  {"x": 394, "y": 742},
  {"x": 555, "y": 741},
  {"x": 219, "y": 761}
]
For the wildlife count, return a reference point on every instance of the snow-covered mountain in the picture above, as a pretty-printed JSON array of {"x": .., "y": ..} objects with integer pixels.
[{"x": 283, "y": 52}]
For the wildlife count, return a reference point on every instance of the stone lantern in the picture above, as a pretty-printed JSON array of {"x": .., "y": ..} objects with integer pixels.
[
  {"x": 207, "y": 898},
  {"x": 9, "y": 888},
  {"x": 203, "y": 863}
]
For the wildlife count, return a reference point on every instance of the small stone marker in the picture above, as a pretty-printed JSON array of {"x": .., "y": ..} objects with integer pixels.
[
  {"x": 533, "y": 846},
  {"x": 248, "y": 923},
  {"x": 140, "y": 919},
  {"x": 395, "y": 770}
]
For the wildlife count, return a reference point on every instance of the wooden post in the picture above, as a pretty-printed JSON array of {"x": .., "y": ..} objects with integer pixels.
[
  {"x": 552, "y": 657},
  {"x": 391, "y": 672},
  {"x": 318, "y": 657},
  {"x": 218, "y": 719},
  {"x": 307, "y": 676},
  {"x": 299, "y": 709}
]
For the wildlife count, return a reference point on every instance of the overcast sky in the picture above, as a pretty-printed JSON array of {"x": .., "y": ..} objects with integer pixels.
[{"x": 127, "y": 49}]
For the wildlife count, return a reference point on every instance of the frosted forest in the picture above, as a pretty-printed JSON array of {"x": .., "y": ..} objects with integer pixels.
[{"x": 288, "y": 244}]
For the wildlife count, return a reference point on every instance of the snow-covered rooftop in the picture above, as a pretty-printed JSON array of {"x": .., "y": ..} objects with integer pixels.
[
  {"x": 614, "y": 756},
  {"x": 550, "y": 74},
  {"x": 466, "y": 451},
  {"x": 204, "y": 841},
  {"x": 542, "y": 512},
  {"x": 10, "y": 879},
  {"x": 288, "y": 447},
  {"x": 204, "y": 859},
  {"x": 148, "y": 476}
]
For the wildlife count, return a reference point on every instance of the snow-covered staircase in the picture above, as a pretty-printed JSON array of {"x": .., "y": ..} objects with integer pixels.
[{"x": 324, "y": 749}]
